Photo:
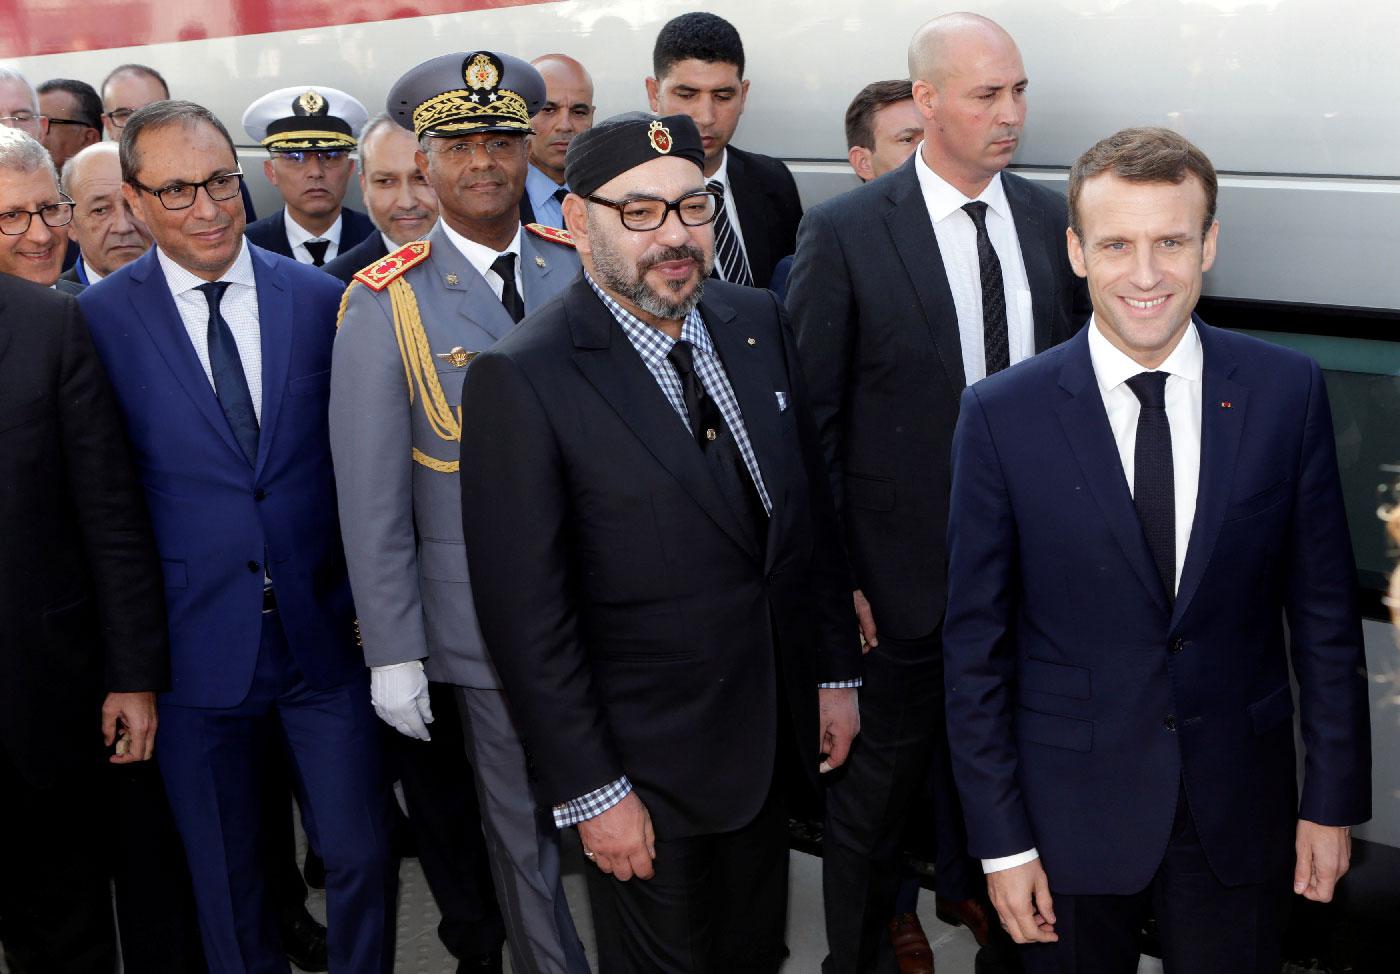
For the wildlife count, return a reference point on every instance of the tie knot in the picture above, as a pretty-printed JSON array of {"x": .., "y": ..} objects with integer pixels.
[
  {"x": 214, "y": 293},
  {"x": 682, "y": 356},
  {"x": 504, "y": 265},
  {"x": 1150, "y": 388},
  {"x": 715, "y": 186},
  {"x": 560, "y": 193},
  {"x": 978, "y": 211}
]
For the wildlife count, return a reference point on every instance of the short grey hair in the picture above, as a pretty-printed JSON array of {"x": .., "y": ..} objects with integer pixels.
[
  {"x": 22, "y": 153},
  {"x": 10, "y": 74},
  {"x": 70, "y": 168}
]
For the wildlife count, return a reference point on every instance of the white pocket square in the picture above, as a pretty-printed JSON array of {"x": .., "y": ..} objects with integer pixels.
[{"x": 782, "y": 401}]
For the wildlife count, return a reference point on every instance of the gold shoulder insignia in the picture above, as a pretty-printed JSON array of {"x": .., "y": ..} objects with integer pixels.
[
  {"x": 553, "y": 234},
  {"x": 380, "y": 275}
]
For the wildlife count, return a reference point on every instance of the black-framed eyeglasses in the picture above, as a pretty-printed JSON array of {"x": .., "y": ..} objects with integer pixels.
[
  {"x": 70, "y": 121},
  {"x": 119, "y": 115},
  {"x": 329, "y": 158},
  {"x": 181, "y": 196},
  {"x": 649, "y": 212},
  {"x": 16, "y": 222}
]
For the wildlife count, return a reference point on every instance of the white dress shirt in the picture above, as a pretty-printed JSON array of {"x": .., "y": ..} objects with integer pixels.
[
  {"x": 1112, "y": 370},
  {"x": 730, "y": 210},
  {"x": 239, "y": 307},
  {"x": 957, "y": 245},
  {"x": 482, "y": 257},
  {"x": 297, "y": 235}
]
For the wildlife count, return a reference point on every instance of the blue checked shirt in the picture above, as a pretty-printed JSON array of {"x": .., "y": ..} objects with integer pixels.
[{"x": 653, "y": 345}]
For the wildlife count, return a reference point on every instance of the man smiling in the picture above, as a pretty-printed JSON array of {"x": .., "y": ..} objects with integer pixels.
[{"x": 34, "y": 215}]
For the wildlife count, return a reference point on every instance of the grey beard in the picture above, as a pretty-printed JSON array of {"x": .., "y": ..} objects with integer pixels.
[{"x": 611, "y": 270}]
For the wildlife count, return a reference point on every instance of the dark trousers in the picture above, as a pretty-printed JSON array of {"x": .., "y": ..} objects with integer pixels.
[
  {"x": 868, "y": 803},
  {"x": 1205, "y": 926},
  {"x": 438, "y": 788},
  {"x": 212, "y": 762},
  {"x": 55, "y": 905},
  {"x": 717, "y": 904}
]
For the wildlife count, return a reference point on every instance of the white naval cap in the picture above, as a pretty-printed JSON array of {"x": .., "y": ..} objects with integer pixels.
[{"x": 305, "y": 118}]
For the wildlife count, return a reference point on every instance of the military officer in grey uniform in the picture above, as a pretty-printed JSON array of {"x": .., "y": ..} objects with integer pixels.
[{"x": 410, "y": 326}]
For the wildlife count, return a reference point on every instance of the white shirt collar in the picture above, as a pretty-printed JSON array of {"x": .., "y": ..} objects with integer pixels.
[
  {"x": 297, "y": 234},
  {"x": 1112, "y": 367},
  {"x": 478, "y": 255},
  {"x": 943, "y": 199},
  {"x": 722, "y": 173},
  {"x": 180, "y": 280}
]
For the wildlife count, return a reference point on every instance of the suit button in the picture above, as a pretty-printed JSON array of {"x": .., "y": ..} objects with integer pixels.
[
  {"x": 1177, "y": 645},
  {"x": 254, "y": 566},
  {"x": 259, "y": 494},
  {"x": 1169, "y": 722}
]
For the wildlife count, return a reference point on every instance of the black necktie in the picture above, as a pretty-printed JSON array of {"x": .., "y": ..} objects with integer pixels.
[
  {"x": 230, "y": 382},
  {"x": 1154, "y": 489},
  {"x": 721, "y": 452},
  {"x": 560, "y": 193},
  {"x": 994, "y": 335},
  {"x": 729, "y": 256},
  {"x": 317, "y": 249},
  {"x": 504, "y": 266}
]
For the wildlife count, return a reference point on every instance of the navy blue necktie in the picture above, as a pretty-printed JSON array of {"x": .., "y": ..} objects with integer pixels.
[
  {"x": 1154, "y": 486},
  {"x": 230, "y": 383},
  {"x": 729, "y": 255},
  {"x": 995, "y": 339},
  {"x": 317, "y": 249}
]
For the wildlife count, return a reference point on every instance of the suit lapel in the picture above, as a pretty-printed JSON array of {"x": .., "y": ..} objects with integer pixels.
[
  {"x": 276, "y": 336},
  {"x": 470, "y": 293},
  {"x": 754, "y": 389},
  {"x": 751, "y": 204},
  {"x": 1085, "y": 423},
  {"x": 612, "y": 366},
  {"x": 917, "y": 246},
  {"x": 155, "y": 308},
  {"x": 4, "y": 332},
  {"x": 1032, "y": 233},
  {"x": 1221, "y": 427}
]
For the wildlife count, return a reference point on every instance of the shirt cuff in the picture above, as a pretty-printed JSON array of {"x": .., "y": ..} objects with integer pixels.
[
  {"x": 840, "y": 684},
  {"x": 1009, "y": 862},
  {"x": 591, "y": 805}
]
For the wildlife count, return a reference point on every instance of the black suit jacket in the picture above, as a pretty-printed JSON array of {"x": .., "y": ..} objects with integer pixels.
[
  {"x": 878, "y": 335},
  {"x": 358, "y": 257},
  {"x": 270, "y": 233},
  {"x": 80, "y": 582},
  {"x": 636, "y": 628},
  {"x": 765, "y": 194}
]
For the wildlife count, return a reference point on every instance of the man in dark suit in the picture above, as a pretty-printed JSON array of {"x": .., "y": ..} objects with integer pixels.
[
  {"x": 402, "y": 203},
  {"x": 655, "y": 562},
  {"x": 904, "y": 291},
  {"x": 222, "y": 357},
  {"x": 84, "y": 649},
  {"x": 1133, "y": 516},
  {"x": 698, "y": 70},
  {"x": 309, "y": 134}
]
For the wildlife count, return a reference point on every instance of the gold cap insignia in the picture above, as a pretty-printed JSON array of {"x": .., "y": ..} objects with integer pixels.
[
  {"x": 482, "y": 72},
  {"x": 311, "y": 102},
  {"x": 660, "y": 137},
  {"x": 458, "y": 357}
]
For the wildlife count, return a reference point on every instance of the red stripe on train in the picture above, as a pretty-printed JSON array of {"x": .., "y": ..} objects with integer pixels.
[{"x": 29, "y": 27}]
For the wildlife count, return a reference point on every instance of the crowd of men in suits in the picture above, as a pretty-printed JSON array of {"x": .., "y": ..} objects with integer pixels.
[{"x": 635, "y": 501}]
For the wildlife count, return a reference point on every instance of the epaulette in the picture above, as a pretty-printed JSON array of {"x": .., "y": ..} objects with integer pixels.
[
  {"x": 552, "y": 234},
  {"x": 382, "y": 273}
]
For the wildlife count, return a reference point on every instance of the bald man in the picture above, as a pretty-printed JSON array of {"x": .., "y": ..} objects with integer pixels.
[
  {"x": 109, "y": 235},
  {"x": 905, "y": 291},
  {"x": 567, "y": 111}
]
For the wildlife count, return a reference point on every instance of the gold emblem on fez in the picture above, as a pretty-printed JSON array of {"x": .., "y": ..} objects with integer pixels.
[
  {"x": 482, "y": 72},
  {"x": 311, "y": 101},
  {"x": 660, "y": 137},
  {"x": 458, "y": 357}
]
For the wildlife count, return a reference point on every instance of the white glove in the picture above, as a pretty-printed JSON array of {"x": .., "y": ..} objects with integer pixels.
[{"x": 399, "y": 693}]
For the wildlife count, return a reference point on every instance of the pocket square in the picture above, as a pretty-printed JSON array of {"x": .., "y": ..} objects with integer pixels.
[{"x": 782, "y": 401}]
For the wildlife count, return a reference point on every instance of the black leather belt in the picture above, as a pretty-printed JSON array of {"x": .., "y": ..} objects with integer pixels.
[{"x": 269, "y": 599}]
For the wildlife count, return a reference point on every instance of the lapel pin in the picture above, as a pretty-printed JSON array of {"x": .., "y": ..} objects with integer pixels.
[
  {"x": 1225, "y": 404},
  {"x": 539, "y": 261},
  {"x": 458, "y": 357},
  {"x": 451, "y": 280},
  {"x": 710, "y": 434},
  {"x": 753, "y": 341}
]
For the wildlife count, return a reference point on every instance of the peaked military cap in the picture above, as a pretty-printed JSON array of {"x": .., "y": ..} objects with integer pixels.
[
  {"x": 305, "y": 118},
  {"x": 626, "y": 141},
  {"x": 477, "y": 91}
]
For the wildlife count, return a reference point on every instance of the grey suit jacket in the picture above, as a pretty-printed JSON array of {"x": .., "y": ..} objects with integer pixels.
[{"x": 401, "y": 516}]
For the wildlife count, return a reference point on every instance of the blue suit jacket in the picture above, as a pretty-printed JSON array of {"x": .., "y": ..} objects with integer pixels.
[
  {"x": 216, "y": 518},
  {"x": 1079, "y": 695}
]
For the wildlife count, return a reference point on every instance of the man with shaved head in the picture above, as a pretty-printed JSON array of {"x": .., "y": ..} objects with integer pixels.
[
  {"x": 904, "y": 291},
  {"x": 567, "y": 111}
]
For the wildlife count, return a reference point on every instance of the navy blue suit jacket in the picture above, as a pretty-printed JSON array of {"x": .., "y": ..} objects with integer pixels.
[
  {"x": 216, "y": 518},
  {"x": 270, "y": 233},
  {"x": 1079, "y": 695}
]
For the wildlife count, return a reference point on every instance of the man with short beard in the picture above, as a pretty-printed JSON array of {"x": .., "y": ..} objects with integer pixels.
[{"x": 654, "y": 554}]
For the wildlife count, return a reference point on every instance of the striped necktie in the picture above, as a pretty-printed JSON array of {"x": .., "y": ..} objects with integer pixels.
[{"x": 729, "y": 255}]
